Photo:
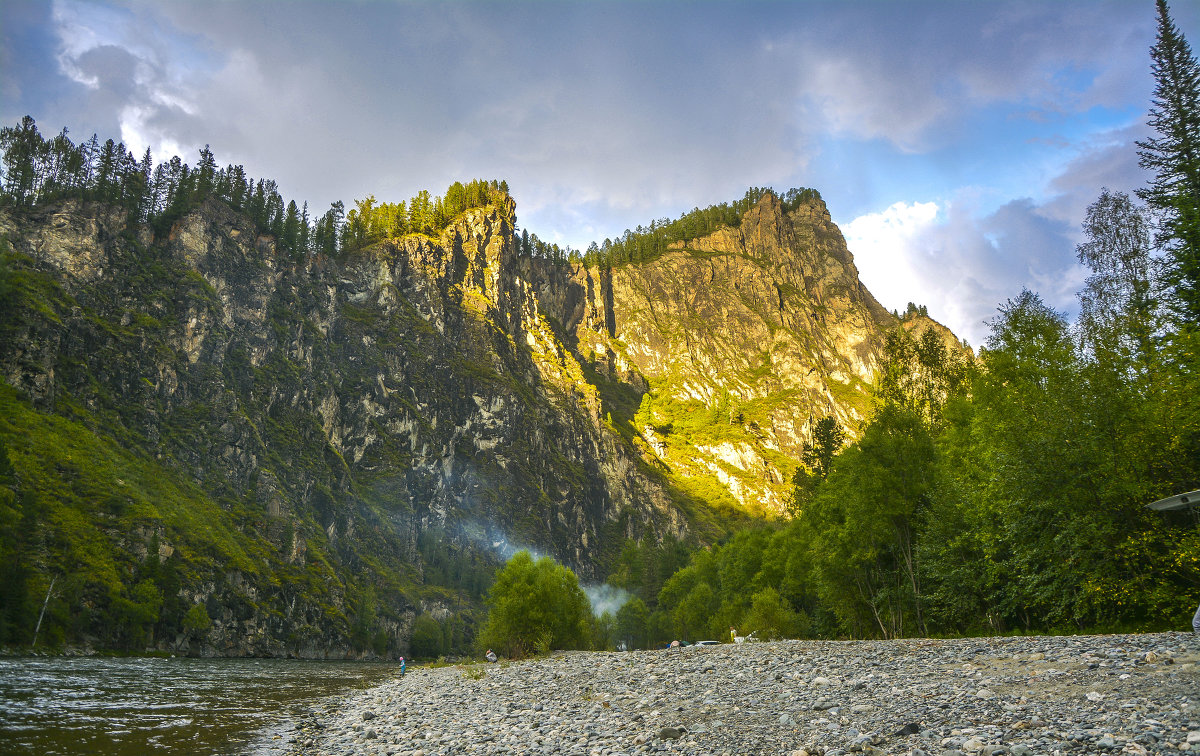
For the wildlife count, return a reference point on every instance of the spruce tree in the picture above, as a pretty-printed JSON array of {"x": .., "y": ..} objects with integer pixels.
[{"x": 1174, "y": 157}]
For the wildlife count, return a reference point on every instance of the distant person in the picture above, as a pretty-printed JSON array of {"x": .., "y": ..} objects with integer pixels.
[
  {"x": 491, "y": 656},
  {"x": 402, "y": 666},
  {"x": 732, "y": 635},
  {"x": 675, "y": 646},
  {"x": 1196, "y": 622}
]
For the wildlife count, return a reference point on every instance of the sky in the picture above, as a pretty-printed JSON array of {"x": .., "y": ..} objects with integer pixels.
[{"x": 956, "y": 144}]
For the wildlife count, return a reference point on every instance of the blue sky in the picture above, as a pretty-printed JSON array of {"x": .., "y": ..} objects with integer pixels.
[{"x": 957, "y": 144}]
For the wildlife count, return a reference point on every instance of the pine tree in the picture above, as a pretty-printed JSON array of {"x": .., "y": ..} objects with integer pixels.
[
  {"x": 304, "y": 231},
  {"x": 206, "y": 172},
  {"x": 21, "y": 146},
  {"x": 290, "y": 237},
  {"x": 1174, "y": 157}
]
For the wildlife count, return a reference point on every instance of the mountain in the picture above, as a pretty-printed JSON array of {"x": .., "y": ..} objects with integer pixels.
[
  {"x": 735, "y": 344},
  {"x": 219, "y": 447}
]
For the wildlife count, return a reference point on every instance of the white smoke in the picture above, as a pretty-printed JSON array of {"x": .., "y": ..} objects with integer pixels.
[
  {"x": 606, "y": 598},
  {"x": 490, "y": 538}
]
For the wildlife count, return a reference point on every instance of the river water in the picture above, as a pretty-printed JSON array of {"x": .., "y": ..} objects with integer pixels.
[{"x": 144, "y": 706}]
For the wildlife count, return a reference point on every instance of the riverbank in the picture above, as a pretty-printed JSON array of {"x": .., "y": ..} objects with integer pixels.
[{"x": 1131, "y": 694}]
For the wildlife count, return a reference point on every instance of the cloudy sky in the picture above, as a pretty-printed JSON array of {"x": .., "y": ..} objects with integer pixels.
[{"x": 957, "y": 144}]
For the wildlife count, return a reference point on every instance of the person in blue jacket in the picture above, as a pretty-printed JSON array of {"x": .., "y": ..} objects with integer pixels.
[{"x": 402, "y": 666}]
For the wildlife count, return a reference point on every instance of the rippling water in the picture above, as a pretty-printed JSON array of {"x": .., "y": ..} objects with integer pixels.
[{"x": 138, "y": 706}]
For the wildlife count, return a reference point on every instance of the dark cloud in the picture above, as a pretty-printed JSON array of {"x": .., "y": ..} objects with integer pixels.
[
  {"x": 1111, "y": 161},
  {"x": 972, "y": 263},
  {"x": 603, "y": 116}
]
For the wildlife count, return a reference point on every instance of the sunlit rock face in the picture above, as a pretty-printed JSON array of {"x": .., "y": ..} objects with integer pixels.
[
  {"x": 342, "y": 412},
  {"x": 738, "y": 341}
]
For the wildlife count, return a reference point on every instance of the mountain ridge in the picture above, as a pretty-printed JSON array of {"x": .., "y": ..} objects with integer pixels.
[{"x": 354, "y": 421}]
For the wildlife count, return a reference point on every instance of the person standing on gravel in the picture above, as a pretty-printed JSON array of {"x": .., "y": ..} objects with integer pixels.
[
  {"x": 1196, "y": 622},
  {"x": 402, "y": 666}
]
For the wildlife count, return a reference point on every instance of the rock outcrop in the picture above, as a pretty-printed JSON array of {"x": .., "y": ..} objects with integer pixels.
[{"x": 735, "y": 344}]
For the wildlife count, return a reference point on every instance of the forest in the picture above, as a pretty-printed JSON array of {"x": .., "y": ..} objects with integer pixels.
[{"x": 37, "y": 171}]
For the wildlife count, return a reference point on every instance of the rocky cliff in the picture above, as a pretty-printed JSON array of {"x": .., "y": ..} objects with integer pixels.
[
  {"x": 732, "y": 346},
  {"x": 317, "y": 450}
]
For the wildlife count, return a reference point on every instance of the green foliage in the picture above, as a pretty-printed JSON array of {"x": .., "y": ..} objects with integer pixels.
[
  {"x": 827, "y": 439},
  {"x": 427, "y": 640},
  {"x": 370, "y": 221},
  {"x": 648, "y": 243},
  {"x": 38, "y": 170},
  {"x": 603, "y": 628},
  {"x": 1173, "y": 156},
  {"x": 771, "y": 617},
  {"x": 197, "y": 622},
  {"x": 632, "y": 624},
  {"x": 643, "y": 568},
  {"x": 745, "y": 582},
  {"x": 534, "y": 607},
  {"x": 446, "y": 563}
]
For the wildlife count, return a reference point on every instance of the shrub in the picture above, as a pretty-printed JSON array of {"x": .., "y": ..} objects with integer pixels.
[{"x": 535, "y": 607}]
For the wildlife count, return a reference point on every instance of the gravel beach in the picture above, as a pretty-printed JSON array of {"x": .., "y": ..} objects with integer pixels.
[{"x": 1131, "y": 694}]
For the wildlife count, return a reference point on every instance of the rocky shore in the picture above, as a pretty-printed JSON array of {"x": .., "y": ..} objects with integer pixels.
[{"x": 1129, "y": 694}]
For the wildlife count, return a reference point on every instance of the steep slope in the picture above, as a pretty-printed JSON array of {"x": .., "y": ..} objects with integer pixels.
[
  {"x": 344, "y": 424},
  {"x": 217, "y": 448},
  {"x": 728, "y": 349}
]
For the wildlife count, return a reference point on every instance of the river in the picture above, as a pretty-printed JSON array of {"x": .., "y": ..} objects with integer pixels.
[{"x": 114, "y": 707}]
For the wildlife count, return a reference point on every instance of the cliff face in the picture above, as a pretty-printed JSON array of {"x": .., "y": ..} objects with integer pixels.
[
  {"x": 302, "y": 442},
  {"x": 735, "y": 346}
]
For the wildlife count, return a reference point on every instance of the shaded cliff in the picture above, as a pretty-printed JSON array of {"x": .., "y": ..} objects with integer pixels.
[{"x": 317, "y": 417}]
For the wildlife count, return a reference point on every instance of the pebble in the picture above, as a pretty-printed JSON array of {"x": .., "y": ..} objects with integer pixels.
[{"x": 1118, "y": 694}]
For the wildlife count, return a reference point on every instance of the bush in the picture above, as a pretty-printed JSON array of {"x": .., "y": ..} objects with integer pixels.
[
  {"x": 197, "y": 622},
  {"x": 633, "y": 624},
  {"x": 535, "y": 607},
  {"x": 428, "y": 638},
  {"x": 771, "y": 617}
]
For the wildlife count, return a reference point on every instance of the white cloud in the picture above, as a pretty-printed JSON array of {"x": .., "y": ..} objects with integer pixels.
[
  {"x": 884, "y": 248},
  {"x": 962, "y": 263}
]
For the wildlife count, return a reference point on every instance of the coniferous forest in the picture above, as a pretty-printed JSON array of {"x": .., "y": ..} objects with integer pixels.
[{"x": 991, "y": 493}]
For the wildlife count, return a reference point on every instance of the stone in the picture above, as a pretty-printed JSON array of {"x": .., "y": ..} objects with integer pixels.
[
  {"x": 670, "y": 733},
  {"x": 649, "y": 692}
]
